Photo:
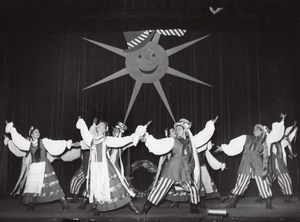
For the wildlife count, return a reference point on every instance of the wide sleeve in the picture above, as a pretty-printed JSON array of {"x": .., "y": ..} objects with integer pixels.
[
  {"x": 201, "y": 148},
  {"x": 86, "y": 135},
  {"x": 159, "y": 146},
  {"x": 72, "y": 154},
  {"x": 19, "y": 140},
  {"x": 213, "y": 162},
  {"x": 118, "y": 142},
  {"x": 15, "y": 150},
  {"x": 276, "y": 133},
  {"x": 56, "y": 147},
  {"x": 92, "y": 129},
  {"x": 235, "y": 146},
  {"x": 204, "y": 135},
  {"x": 84, "y": 146}
]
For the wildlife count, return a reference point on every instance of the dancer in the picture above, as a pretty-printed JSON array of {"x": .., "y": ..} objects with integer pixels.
[
  {"x": 19, "y": 187},
  {"x": 115, "y": 156},
  {"x": 79, "y": 178},
  {"x": 278, "y": 165},
  {"x": 106, "y": 187},
  {"x": 41, "y": 184},
  {"x": 178, "y": 169},
  {"x": 252, "y": 165},
  {"x": 208, "y": 189},
  {"x": 176, "y": 193}
]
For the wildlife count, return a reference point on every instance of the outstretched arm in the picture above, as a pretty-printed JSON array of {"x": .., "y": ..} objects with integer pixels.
[
  {"x": 212, "y": 161},
  {"x": 56, "y": 147},
  {"x": 13, "y": 148},
  {"x": 18, "y": 139},
  {"x": 159, "y": 146},
  {"x": 234, "y": 147},
  {"x": 86, "y": 135},
  {"x": 204, "y": 136}
]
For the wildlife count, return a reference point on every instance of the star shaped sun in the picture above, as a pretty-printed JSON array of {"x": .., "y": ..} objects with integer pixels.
[{"x": 147, "y": 65}]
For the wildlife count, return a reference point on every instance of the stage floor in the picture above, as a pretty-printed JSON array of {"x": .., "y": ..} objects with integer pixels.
[{"x": 247, "y": 210}]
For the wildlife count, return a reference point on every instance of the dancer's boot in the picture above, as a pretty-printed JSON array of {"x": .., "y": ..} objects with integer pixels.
[
  {"x": 147, "y": 207},
  {"x": 64, "y": 204},
  {"x": 84, "y": 203},
  {"x": 133, "y": 208},
  {"x": 287, "y": 198},
  {"x": 259, "y": 200},
  {"x": 194, "y": 208},
  {"x": 74, "y": 198},
  {"x": 269, "y": 203},
  {"x": 233, "y": 201}
]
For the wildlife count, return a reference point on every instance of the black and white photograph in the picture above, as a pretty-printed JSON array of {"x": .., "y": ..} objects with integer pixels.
[{"x": 149, "y": 111}]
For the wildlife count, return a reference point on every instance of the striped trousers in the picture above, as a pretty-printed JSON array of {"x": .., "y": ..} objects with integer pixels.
[
  {"x": 285, "y": 183},
  {"x": 165, "y": 184},
  {"x": 76, "y": 182},
  {"x": 243, "y": 182}
]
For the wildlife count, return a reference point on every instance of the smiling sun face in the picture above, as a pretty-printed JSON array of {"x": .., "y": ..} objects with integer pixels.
[{"x": 147, "y": 65}]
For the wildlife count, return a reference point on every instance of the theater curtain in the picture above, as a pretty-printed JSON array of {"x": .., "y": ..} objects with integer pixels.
[{"x": 253, "y": 74}]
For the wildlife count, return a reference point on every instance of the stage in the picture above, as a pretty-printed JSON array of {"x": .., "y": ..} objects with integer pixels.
[{"x": 247, "y": 210}]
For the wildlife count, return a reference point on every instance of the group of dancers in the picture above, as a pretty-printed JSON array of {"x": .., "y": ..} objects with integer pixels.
[{"x": 181, "y": 176}]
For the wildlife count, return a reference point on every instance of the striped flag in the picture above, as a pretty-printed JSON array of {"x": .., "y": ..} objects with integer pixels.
[{"x": 137, "y": 39}]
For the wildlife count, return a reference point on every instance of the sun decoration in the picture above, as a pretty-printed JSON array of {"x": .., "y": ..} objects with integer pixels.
[{"x": 147, "y": 64}]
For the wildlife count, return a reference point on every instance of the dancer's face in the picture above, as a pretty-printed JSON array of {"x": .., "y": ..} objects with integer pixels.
[
  {"x": 180, "y": 132},
  {"x": 258, "y": 132},
  {"x": 115, "y": 132},
  {"x": 172, "y": 133},
  {"x": 35, "y": 134},
  {"x": 101, "y": 128}
]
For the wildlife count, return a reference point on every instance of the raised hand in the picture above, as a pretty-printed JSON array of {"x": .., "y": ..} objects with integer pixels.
[
  {"x": 6, "y": 139},
  {"x": 95, "y": 120},
  {"x": 282, "y": 116},
  {"x": 215, "y": 119}
]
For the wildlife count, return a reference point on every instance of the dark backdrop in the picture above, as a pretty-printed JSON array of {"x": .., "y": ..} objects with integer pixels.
[{"x": 254, "y": 73}]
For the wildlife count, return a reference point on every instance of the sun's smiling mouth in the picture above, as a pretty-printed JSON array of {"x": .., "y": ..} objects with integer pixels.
[{"x": 148, "y": 72}]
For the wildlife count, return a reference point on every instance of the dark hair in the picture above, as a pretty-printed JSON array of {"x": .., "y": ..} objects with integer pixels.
[
  {"x": 167, "y": 131},
  {"x": 106, "y": 126}
]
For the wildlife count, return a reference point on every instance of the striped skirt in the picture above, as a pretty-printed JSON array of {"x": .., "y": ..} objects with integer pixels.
[{"x": 50, "y": 191}]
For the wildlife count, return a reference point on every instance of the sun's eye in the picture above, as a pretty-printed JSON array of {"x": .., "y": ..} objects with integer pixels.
[
  {"x": 153, "y": 55},
  {"x": 139, "y": 56}
]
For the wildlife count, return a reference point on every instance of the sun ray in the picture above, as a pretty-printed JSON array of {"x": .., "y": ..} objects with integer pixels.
[
  {"x": 163, "y": 97},
  {"x": 134, "y": 94},
  {"x": 183, "y": 46},
  {"x": 115, "y": 75},
  {"x": 179, "y": 74},
  {"x": 156, "y": 38},
  {"x": 108, "y": 47}
]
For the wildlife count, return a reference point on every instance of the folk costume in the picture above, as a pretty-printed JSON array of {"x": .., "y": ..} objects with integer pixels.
[
  {"x": 115, "y": 156},
  {"x": 177, "y": 170},
  {"x": 208, "y": 189},
  {"x": 80, "y": 175},
  {"x": 278, "y": 166},
  {"x": 79, "y": 178},
  {"x": 41, "y": 184},
  {"x": 106, "y": 187},
  {"x": 252, "y": 165}
]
